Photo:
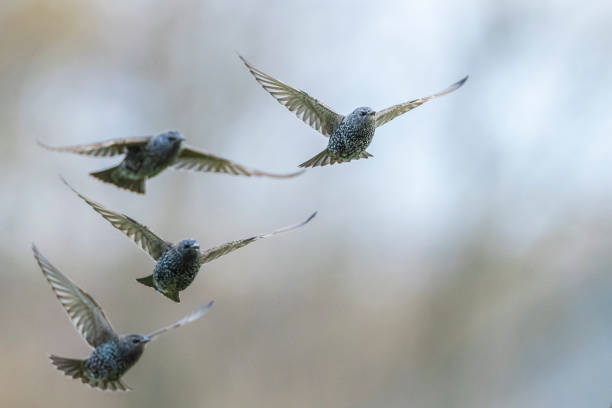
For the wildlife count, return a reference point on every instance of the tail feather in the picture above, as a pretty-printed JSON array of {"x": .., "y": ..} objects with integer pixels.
[
  {"x": 76, "y": 369},
  {"x": 112, "y": 176},
  {"x": 170, "y": 294},
  {"x": 326, "y": 157},
  {"x": 147, "y": 281},
  {"x": 71, "y": 367}
]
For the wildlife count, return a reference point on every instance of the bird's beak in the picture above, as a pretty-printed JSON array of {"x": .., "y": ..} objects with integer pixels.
[
  {"x": 146, "y": 340},
  {"x": 196, "y": 246}
]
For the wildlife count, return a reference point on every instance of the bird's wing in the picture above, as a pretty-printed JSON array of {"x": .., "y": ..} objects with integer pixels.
[
  {"x": 86, "y": 315},
  {"x": 192, "y": 159},
  {"x": 216, "y": 252},
  {"x": 102, "y": 149},
  {"x": 309, "y": 109},
  {"x": 142, "y": 235},
  {"x": 394, "y": 111},
  {"x": 195, "y": 315}
]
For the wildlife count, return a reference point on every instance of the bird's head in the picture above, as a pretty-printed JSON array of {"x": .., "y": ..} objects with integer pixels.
[
  {"x": 188, "y": 246},
  {"x": 131, "y": 347},
  {"x": 362, "y": 114},
  {"x": 135, "y": 342},
  {"x": 168, "y": 140},
  {"x": 136, "y": 339}
]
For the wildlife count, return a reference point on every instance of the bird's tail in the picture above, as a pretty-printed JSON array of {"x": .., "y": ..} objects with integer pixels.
[
  {"x": 71, "y": 367},
  {"x": 76, "y": 369},
  {"x": 147, "y": 281},
  {"x": 326, "y": 157},
  {"x": 114, "y": 177}
]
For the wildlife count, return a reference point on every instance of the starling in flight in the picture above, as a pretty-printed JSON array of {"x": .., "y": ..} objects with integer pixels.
[
  {"x": 147, "y": 156},
  {"x": 113, "y": 355},
  {"x": 349, "y": 136},
  {"x": 177, "y": 265}
]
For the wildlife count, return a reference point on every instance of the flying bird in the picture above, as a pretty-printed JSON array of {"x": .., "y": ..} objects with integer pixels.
[
  {"x": 113, "y": 355},
  {"x": 147, "y": 156},
  {"x": 176, "y": 265},
  {"x": 349, "y": 136}
]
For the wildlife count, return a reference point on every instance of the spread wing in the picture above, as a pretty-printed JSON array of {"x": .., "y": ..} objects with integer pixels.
[
  {"x": 103, "y": 149},
  {"x": 216, "y": 252},
  {"x": 195, "y": 315},
  {"x": 86, "y": 315},
  {"x": 142, "y": 235},
  {"x": 192, "y": 159},
  {"x": 388, "y": 114},
  {"x": 310, "y": 110}
]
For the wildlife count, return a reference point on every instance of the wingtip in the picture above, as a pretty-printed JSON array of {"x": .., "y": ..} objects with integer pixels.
[
  {"x": 38, "y": 257},
  {"x": 244, "y": 61},
  {"x": 462, "y": 81},
  {"x": 68, "y": 184},
  {"x": 41, "y": 144},
  {"x": 199, "y": 312},
  {"x": 251, "y": 68},
  {"x": 314, "y": 214},
  {"x": 202, "y": 310},
  {"x": 453, "y": 87},
  {"x": 294, "y": 174},
  {"x": 297, "y": 173}
]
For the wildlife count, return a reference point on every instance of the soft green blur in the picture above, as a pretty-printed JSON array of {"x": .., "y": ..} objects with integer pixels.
[{"x": 467, "y": 264}]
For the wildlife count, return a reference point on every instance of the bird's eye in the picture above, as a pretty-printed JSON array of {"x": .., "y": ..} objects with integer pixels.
[
  {"x": 135, "y": 341},
  {"x": 362, "y": 113}
]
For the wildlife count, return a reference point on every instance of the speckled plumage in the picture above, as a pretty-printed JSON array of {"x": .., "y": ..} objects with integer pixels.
[
  {"x": 177, "y": 268},
  {"x": 147, "y": 156},
  {"x": 111, "y": 360},
  {"x": 176, "y": 265},
  {"x": 353, "y": 135},
  {"x": 156, "y": 155},
  {"x": 349, "y": 136},
  {"x": 112, "y": 355}
]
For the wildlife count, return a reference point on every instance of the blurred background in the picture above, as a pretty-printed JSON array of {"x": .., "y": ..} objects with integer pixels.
[{"x": 468, "y": 264}]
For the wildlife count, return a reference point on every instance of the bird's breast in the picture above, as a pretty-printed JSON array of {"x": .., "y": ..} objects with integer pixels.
[
  {"x": 174, "y": 270},
  {"x": 350, "y": 139}
]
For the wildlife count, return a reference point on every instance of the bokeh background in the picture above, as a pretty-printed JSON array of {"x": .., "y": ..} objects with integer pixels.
[{"x": 468, "y": 264}]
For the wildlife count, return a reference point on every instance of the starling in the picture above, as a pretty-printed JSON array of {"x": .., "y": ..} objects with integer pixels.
[
  {"x": 147, "y": 156},
  {"x": 176, "y": 265},
  {"x": 113, "y": 355},
  {"x": 349, "y": 136}
]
